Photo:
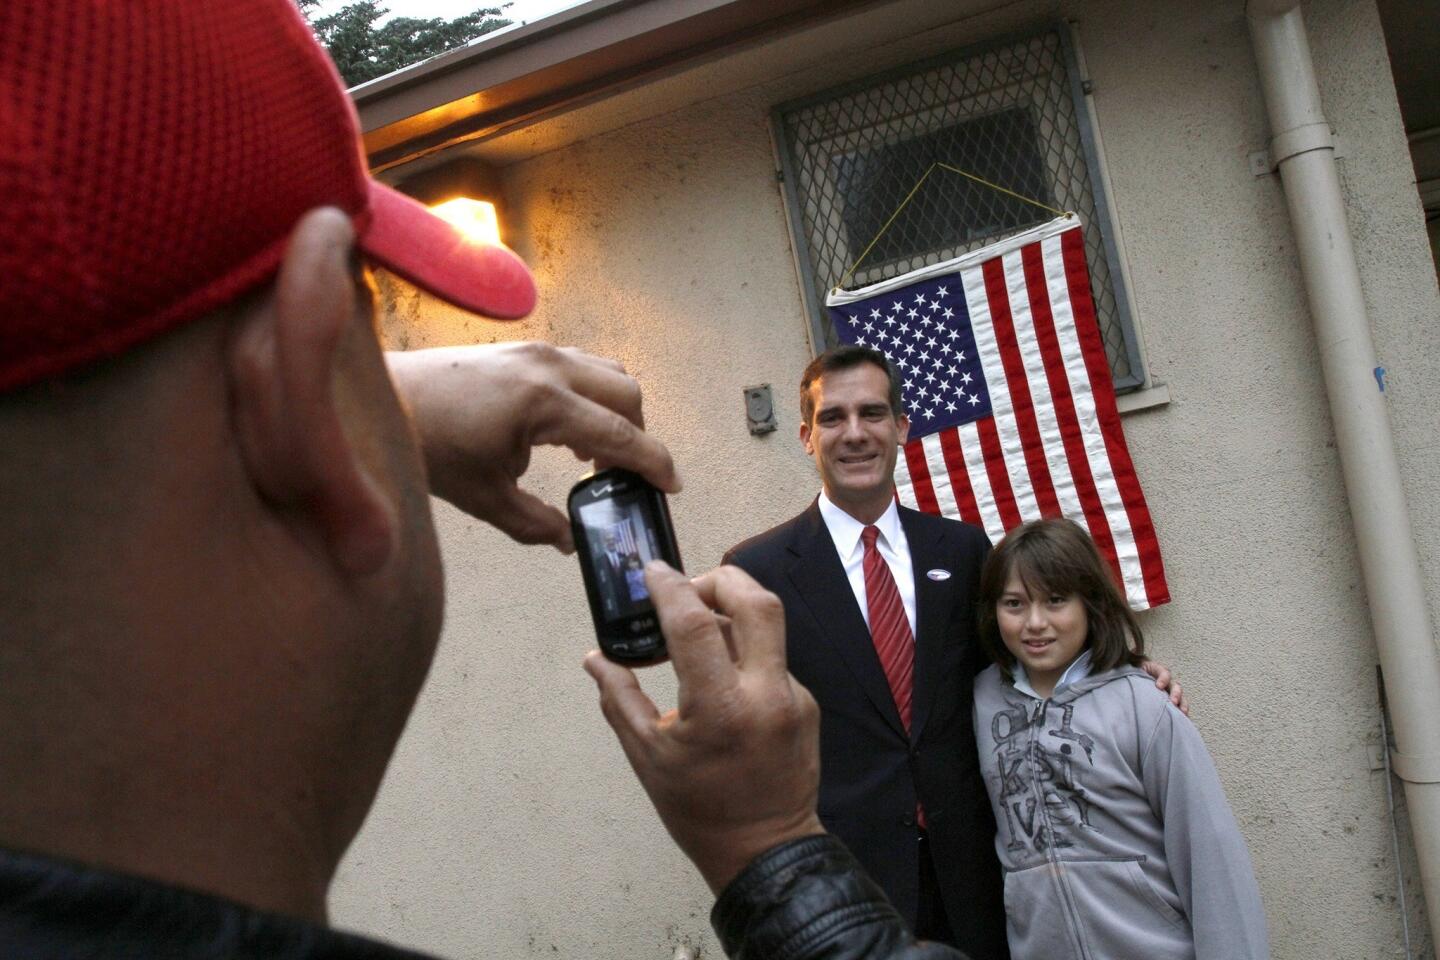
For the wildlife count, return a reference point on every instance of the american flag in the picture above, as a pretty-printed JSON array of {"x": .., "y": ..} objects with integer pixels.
[{"x": 1008, "y": 390}]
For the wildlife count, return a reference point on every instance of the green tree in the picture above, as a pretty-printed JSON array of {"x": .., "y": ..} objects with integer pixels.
[{"x": 363, "y": 51}]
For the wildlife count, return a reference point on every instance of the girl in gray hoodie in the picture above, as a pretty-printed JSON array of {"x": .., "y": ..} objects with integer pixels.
[{"x": 1113, "y": 829}]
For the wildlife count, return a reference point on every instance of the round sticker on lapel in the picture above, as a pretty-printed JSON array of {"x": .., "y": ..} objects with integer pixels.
[{"x": 938, "y": 575}]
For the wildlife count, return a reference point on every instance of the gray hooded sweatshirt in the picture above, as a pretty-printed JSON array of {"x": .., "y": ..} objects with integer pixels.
[{"x": 1113, "y": 829}]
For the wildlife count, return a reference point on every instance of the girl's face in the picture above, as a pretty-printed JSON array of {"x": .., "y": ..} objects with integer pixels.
[{"x": 1044, "y": 633}]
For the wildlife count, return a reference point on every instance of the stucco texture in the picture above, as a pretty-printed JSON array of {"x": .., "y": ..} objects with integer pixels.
[{"x": 509, "y": 824}]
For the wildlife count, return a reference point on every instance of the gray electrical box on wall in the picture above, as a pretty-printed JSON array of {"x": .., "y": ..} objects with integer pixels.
[{"x": 759, "y": 409}]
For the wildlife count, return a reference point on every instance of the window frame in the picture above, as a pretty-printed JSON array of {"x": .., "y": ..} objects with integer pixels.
[{"x": 1079, "y": 88}]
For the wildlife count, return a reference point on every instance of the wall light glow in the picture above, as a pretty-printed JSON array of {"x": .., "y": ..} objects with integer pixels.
[{"x": 476, "y": 219}]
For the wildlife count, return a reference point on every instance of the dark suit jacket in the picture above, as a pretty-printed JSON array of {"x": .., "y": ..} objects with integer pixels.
[
  {"x": 610, "y": 582},
  {"x": 871, "y": 773}
]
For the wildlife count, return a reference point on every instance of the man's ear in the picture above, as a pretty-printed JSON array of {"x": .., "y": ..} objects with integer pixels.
[
  {"x": 902, "y": 424},
  {"x": 805, "y": 438},
  {"x": 282, "y": 361}
]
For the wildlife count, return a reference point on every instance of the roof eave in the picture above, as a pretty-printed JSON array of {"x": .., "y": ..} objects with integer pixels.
[{"x": 519, "y": 73}]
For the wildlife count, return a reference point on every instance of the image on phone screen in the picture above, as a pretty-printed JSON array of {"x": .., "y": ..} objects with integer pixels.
[{"x": 621, "y": 539}]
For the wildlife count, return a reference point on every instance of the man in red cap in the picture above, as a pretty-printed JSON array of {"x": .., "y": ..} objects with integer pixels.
[{"x": 221, "y": 586}]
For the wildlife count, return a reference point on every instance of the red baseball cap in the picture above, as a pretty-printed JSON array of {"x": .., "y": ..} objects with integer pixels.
[{"x": 155, "y": 156}]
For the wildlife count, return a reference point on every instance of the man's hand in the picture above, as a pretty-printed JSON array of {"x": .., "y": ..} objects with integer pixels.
[
  {"x": 734, "y": 769},
  {"x": 479, "y": 411},
  {"x": 1165, "y": 681}
]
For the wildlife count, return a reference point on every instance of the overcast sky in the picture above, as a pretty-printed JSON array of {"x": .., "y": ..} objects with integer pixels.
[{"x": 520, "y": 10}]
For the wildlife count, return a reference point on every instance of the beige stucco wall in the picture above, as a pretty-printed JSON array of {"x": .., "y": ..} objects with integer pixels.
[{"x": 509, "y": 825}]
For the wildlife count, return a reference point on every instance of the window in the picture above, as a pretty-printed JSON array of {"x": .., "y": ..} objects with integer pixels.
[{"x": 1012, "y": 113}]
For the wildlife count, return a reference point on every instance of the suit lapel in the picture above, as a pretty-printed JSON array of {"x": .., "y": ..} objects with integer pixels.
[
  {"x": 933, "y": 599},
  {"x": 820, "y": 579}
]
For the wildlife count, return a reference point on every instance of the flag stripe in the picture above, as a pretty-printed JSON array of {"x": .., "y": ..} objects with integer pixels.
[
  {"x": 920, "y": 486},
  {"x": 941, "y": 480},
  {"x": 995, "y": 470},
  {"x": 1028, "y": 321},
  {"x": 1132, "y": 503},
  {"x": 992, "y": 450},
  {"x": 966, "y": 507},
  {"x": 1086, "y": 497},
  {"x": 969, "y": 437},
  {"x": 904, "y": 485},
  {"x": 1005, "y": 280},
  {"x": 1117, "y": 480},
  {"x": 1067, "y": 324}
]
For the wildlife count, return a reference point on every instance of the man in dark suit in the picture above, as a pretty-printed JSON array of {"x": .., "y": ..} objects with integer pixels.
[
  {"x": 899, "y": 775},
  {"x": 610, "y": 569}
]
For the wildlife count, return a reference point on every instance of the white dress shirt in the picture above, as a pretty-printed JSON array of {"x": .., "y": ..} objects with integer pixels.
[
  {"x": 1078, "y": 670},
  {"x": 894, "y": 548}
]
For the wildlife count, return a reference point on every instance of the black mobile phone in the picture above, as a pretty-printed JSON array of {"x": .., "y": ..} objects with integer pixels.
[{"x": 621, "y": 522}]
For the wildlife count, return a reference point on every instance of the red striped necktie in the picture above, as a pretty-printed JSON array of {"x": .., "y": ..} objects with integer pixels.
[{"x": 889, "y": 627}]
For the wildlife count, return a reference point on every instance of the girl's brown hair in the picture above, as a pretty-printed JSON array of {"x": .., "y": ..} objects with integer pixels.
[{"x": 1055, "y": 556}]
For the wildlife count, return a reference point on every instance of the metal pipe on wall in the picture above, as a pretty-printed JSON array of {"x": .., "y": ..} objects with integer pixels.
[{"x": 1303, "y": 149}]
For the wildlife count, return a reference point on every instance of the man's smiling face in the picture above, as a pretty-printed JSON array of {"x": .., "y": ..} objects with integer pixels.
[{"x": 854, "y": 437}]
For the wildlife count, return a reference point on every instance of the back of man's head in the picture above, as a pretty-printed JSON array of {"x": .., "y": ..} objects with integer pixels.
[{"x": 222, "y": 587}]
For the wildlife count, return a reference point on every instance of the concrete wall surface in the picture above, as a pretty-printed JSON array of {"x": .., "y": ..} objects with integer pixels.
[{"x": 509, "y": 824}]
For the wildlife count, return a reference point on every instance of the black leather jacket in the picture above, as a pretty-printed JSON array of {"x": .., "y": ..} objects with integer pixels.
[
  {"x": 804, "y": 900},
  {"x": 809, "y": 899}
]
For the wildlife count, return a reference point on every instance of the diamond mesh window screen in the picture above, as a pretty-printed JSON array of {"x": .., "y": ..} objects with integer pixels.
[{"x": 1012, "y": 113}]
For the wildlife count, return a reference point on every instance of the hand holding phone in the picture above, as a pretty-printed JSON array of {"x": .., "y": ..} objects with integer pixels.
[
  {"x": 620, "y": 522},
  {"x": 480, "y": 409},
  {"x": 734, "y": 768}
]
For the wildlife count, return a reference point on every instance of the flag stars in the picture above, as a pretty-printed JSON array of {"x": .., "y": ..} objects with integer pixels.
[{"x": 939, "y": 382}]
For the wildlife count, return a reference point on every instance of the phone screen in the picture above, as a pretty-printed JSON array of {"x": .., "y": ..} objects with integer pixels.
[{"x": 621, "y": 537}]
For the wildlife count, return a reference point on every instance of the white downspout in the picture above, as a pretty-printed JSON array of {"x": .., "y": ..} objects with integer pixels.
[{"x": 1302, "y": 148}]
